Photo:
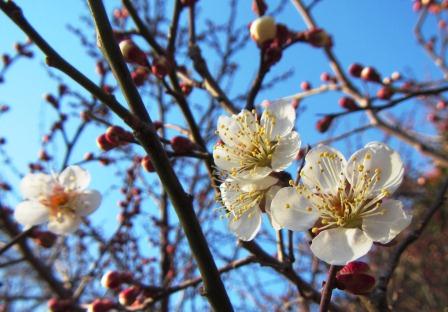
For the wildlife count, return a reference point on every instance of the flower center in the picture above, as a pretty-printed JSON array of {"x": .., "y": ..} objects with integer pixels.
[
  {"x": 243, "y": 203},
  {"x": 58, "y": 203}
]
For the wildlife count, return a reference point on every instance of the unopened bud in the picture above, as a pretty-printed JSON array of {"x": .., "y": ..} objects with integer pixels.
[
  {"x": 132, "y": 53},
  {"x": 139, "y": 76},
  {"x": 44, "y": 239},
  {"x": 147, "y": 164},
  {"x": 101, "y": 305},
  {"x": 355, "y": 70},
  {"x": 117, "y": 135},
  {"x": 259, "y": 7},
  {"x": 186, "y": 88},
  {"x": 431, "y": 117},
  {"x": 325, "y": 77},
  {"x": 318, "y": 37},
  {"x": 323, "y": 124},
  {"x": 348, "y": 103},
  {"x": 441, "y": 105},
  {"x": 160, "y": 67},
  {"x": 59, "y": 305},
  {"x": 111, "y": 280},
  {"x": 370, "y": 74},
  {"x": 305, "y": 86},
  {"x": 263, "y": 29},
  {"x": 128, "y": 295},
  {"x": 385, "y": 93},
  {"x": 356, "y": 278},
  {"x": 182, "y": 144},
  {"x": 104, "y": 144}
]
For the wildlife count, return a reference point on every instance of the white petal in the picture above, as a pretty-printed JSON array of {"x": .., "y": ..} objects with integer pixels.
[
  {"x": 87, "y": 202},
  {"x": 70, "y": 223},
  {"x": 74, "y": 178},
  {"x": 323, "y": 170},
  {"x": 270, "y": 194},
  {"x": 376, "y": 156},
  {"x": 290, "y": 210},
  {"x": 36, "y": 185},
  {"x": 286, "y": 151},
  {"x": 383, "y": 228},
  {"x": 339, "y": 246},
  {"x": 278, "y": 118},
  {"x": 228, "y": 129},
  {"x": 257, "y": 185},
  {"x": 29, "y": 213},
  {"x": 223, "y": 159},
  {"x": 246, "y": 227}
]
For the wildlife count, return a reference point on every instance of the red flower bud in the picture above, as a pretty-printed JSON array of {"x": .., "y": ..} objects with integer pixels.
[
  {"x": 111, "y": 280},
  {"x": 128, "y": 295},
  {"x": 160, "y": 67},
  {"x": 305, "y": 86},
  {"x": 186, "y": 88},
  {"x": 88, "y": 156},
  {"x": 323, "y": 124},
  {"x": 355, "y": 70},
  {"x": 370, "y": 74},
  {"x": 325, "y": 77},
  {"x": 441, "y": 105},
  {"x": 139, "y": 76},
  {"x": 431, "y": 117},
  {"x": 147, "y": 164},
  {"x": 104, "y": 144},
  {"x": 182, "y": 144},
  {"x": 117, "y": 135},
  {"x": 259, "y": 7},
  {"x": 101, "y": 305},
  {"x": 356, "y": 278},
  {"x": 318, "y": 38},
  {"x": 348, "y": 103},
  {"x": 385, "y": 93},
  {"x": 59, "y": 305},
  {"x": 44, "y": 239},
  {"x": 132, "y": 53}
]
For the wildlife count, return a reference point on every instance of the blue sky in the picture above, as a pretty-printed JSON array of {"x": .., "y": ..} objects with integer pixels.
[{"x": 373, "y": 32}]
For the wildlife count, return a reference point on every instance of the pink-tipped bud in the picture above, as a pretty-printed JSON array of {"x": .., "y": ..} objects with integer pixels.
[
  {"x": 356, "y": 278},
  {"x": 431, "y": 117},
  {"x": 385, "y": 93},
  {"x": 132, "y": 53},
  {"x": 263, "y": 29},
  {"x": 160, "y": 67},
  {"x": 395, "y": 76},
  {"x": 259, "y": 7},
  {"x": 182, "y": 144},
  {"x": 88, "y": 156},
  {"x": 441, "y": 105},
  {"x": 59, "y": 305},
  {"x": 186, "y": 88},
  {"x": 44, "y": 239},
  {"x": 325, "y": 77},
  {"x": 139, "y": 76},
  {"x": 305, "y": 86},
  {"x": 318, "y": 38},
  {"x": 104, "y": 144},
  {"x": 128, "y": 295},
  {"x": 370, "y": 74},
  {"x": 117, "y": 135},
  {"x": 355, "y": 70},
  {"x": 101, "y": 305},
  {"x": 324, "y": 124},
  {"x": 147, "y": 164},
  {"x": 348, "y": 103},
  {"x": 111, "y": 280}
]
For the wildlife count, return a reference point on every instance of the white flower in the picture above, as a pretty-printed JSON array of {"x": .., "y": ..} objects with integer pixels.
[
  {"x": 60, "y": 200},
  {"x": 348, "y": 199},
  {"x": 263, "y": 29},
  {"x": 252, "y": 149},
  {"x": 245, "y": 202}
]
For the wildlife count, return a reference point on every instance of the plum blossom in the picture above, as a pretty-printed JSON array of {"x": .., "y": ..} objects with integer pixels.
[
  {"x": 346, "y": 203},
  {"x": 59, "y": 199},
  {"x": 252, "y": 148},
  {"x": 245, "y": 202}
]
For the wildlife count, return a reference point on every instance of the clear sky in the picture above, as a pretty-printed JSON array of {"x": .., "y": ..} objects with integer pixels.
[{"x": 372, "y": 32}]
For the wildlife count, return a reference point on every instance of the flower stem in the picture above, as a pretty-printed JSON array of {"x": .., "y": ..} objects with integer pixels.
[{"x": 328, "y": 290}]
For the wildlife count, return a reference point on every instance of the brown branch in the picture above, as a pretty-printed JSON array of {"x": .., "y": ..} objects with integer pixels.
[{"x": 328, "y": 289}]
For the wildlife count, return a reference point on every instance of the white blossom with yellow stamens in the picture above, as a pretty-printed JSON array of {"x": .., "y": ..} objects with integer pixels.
[
  {"x": 245, "y": 202},
  {"x": 251, "y": 149},
  {"x": 345, "y": 202},
  {"x": 61, "y": 200}
]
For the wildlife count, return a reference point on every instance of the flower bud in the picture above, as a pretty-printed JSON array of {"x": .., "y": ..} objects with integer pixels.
[
  {"x": 318, "y": 38},
  {"x": 101, "y": 305},
  {"x": 44, "y": 239},
  {"x": 59, "y": 305},
  {"x": 385, "y": 93},
  {"x": 370, "y": 74},
  {"x": 259, "y": 7},
  {"x": 128, "y": 295},
  {"x": 325, "y": 77},
  {"x": 356, "y": 278},
  {"x": 355, "y": 70},
  {"x": 139, "y": 76},
  {"x": 323, "y": 124},
  {"x": 132, "y": 53},
  {"x": 263, "y": 29},
  {"x": 186, "y": 88},
  {"x": 348, "y": 103},
  {"x": 182, "y": 144},
  {"x": 104, "y": 144},
  {"x": 111, "y": 280},
  {"x": 160, "y": 67},
  {"x": 147, "y": 164},
  {"x": 431, "y": 117},
  {"x": 117, "y": 135},
  {"x": 88, "y": 156},
  {"x": 305, "y": 86},
  {"x": 441, "y": 105}
]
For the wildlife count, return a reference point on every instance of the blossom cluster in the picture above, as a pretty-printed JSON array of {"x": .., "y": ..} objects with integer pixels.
[{"x": 345, "y": 203}]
